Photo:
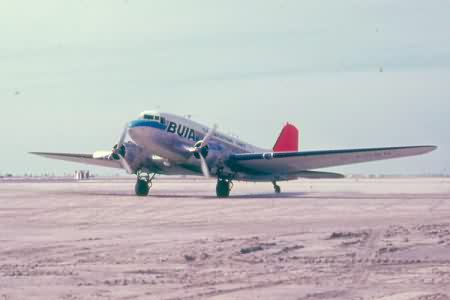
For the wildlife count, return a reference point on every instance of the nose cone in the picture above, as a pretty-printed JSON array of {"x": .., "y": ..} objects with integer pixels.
[
  {"x": 142, "y": 130},
  {"x": 136, "y": 129}
]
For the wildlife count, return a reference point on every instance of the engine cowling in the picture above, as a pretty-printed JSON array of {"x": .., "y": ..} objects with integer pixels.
[
  {"x": 116, "y": 152},
  {"x": 135, "y": 155},
  {"x": 203, "y": 151}
]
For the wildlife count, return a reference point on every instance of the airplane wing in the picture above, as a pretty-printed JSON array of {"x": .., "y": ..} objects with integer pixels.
[
  {"x": 81, "y": 158},
  {"x": 297, "y": 162}
]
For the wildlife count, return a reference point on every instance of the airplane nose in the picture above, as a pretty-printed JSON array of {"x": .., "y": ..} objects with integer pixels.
[
  {"x": 139, "y": 130},
  {"x": 133, "y": 128},
  {"x": 135, "y": 123}
]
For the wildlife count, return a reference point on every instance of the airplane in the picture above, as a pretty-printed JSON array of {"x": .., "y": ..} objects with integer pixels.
[{"x": 167, "y": 144}]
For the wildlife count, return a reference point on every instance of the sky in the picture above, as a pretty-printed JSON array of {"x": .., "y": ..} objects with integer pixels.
[{"x": 348, "y": 73}]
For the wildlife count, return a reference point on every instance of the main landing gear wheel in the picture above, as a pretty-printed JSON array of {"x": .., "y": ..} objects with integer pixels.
[
  {"x": 276, "y": 187},
  {"x": 143, "y": 183},
  {"x": 142, "y": 188},
  {"x": 223, "y": 188}
]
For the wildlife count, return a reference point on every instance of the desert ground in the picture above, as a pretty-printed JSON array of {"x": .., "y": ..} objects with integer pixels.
[{"x": 384, "y": 239}]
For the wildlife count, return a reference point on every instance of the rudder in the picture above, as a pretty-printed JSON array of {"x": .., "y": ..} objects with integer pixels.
[{"x": 287, "y": 140}]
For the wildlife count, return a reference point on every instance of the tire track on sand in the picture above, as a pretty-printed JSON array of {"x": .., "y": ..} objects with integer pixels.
[{"x": 364, "y": 259}]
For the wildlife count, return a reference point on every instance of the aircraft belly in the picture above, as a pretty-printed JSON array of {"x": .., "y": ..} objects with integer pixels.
[
  {"x": 170, "y": 155},
  {"x": 159, "y": 142},
  {"x": 162, "y": 168},
  {"x": 263, "y": 177}
]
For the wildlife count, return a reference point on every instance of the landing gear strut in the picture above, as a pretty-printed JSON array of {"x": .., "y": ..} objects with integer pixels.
[
  {"x": 276, "y": 187},
  {"x": 143, "y": 183},
  {"x": 223, "y": 187}
]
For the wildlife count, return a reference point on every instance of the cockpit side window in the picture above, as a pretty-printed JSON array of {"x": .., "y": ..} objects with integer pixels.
[
  {"x": 148, "y": 117},
  {"x": 156, "y": 118}
]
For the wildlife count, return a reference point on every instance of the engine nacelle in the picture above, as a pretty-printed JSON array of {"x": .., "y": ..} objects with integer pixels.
[
  {"x": 118, "y": 151},
  {"x": 136, "y": 157}
]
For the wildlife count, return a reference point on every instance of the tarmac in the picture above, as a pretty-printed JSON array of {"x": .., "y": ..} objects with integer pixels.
[{"x": 384, "y": 239}]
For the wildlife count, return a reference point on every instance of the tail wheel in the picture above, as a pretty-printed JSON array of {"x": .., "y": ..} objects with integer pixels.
[{"x": 276, "y": 187}]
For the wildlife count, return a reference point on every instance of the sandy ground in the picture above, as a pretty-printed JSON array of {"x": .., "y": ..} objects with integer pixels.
[{"x": 386, "y": 239}]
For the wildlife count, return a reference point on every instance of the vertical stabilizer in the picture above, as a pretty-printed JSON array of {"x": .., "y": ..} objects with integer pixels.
[{"x": 288, "y": 139}]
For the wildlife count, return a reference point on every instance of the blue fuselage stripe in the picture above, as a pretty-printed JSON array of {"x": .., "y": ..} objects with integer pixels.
[{"x": 146, "y": 123}]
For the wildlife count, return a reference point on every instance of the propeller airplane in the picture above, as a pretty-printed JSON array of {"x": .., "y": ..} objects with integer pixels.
[{"x": 164, "y": 143}]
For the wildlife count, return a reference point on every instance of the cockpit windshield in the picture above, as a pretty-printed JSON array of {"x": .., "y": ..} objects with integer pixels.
[{"x": 152, "y": 116}]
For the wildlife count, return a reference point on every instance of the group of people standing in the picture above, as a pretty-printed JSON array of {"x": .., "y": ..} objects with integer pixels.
[{"x": 82, "y": 175}]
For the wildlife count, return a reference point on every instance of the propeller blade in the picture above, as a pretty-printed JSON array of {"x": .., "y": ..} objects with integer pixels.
[
  {"x": 123, "y": 136},
  {"x": 116, "y": 151},
  {"x": 205, "y": 169},
  {"x": 124, "y": 164},
  {"x": 208, "y": 136}
]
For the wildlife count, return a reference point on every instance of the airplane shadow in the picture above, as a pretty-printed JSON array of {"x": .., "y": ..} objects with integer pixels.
[
  {"x": 269, "y": 196},
  {"x": 260, "y": 196},
  {"x": 190, "y": 196},
  {"x": 99, "y": 194},
  {"x": 132, "y": 195},
  {"x": 232, "y": 197}
]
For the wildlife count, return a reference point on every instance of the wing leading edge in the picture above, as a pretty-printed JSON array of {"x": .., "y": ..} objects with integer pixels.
[
  {"x": 294, "y": 162},
  {"x": 81, "y": 158},
  {"x": 100, "y": 159}
]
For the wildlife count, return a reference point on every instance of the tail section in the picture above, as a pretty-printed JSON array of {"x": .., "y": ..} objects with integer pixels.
[{"x": 288, "y": 139}]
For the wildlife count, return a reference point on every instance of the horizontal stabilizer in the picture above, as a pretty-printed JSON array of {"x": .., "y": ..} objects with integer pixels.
[{"x": 319, "y": 175}]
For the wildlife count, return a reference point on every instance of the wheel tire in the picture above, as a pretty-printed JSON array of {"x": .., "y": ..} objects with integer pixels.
[
  {"x": 223, "y": 189},
  {"x": 141, "y": 188},
  {"x": 277, "y": 189}
]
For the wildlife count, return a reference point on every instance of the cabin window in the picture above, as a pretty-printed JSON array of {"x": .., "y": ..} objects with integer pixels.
[
  {"x": 148, "y": 117},
  {"x": 156, "y": 118},
  {"x": 163, "y": 120}
]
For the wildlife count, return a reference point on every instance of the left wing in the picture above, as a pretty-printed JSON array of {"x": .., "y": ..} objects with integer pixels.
[
  {"x": 296, "y": 162},
  {"x": 82, "y": 158},
  {"x": 101, "y": 158}
]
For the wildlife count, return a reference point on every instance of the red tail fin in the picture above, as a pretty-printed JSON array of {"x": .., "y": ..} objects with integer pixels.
[{"x": 288, "y": 139}]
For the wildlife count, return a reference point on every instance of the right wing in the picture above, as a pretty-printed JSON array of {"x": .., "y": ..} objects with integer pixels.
[
  {"x": 295, "y": 162},
  {"x": 81, "y": 158}
]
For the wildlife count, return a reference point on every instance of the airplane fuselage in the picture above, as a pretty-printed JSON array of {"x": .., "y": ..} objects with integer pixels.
[{"x": 168, "y": 135}]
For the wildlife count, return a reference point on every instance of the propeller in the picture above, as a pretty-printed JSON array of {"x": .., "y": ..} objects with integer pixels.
[
  {"x": 118, "y": 152},
  {"x": 205, "y": 168},
  {"x": 208, "y": 136},
  {"x": 199, "y": 152}
]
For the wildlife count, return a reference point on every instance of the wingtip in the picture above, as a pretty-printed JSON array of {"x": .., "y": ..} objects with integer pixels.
[
  {"x": 431, "y": 148},
  {"x": 38, "y": 153}
]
